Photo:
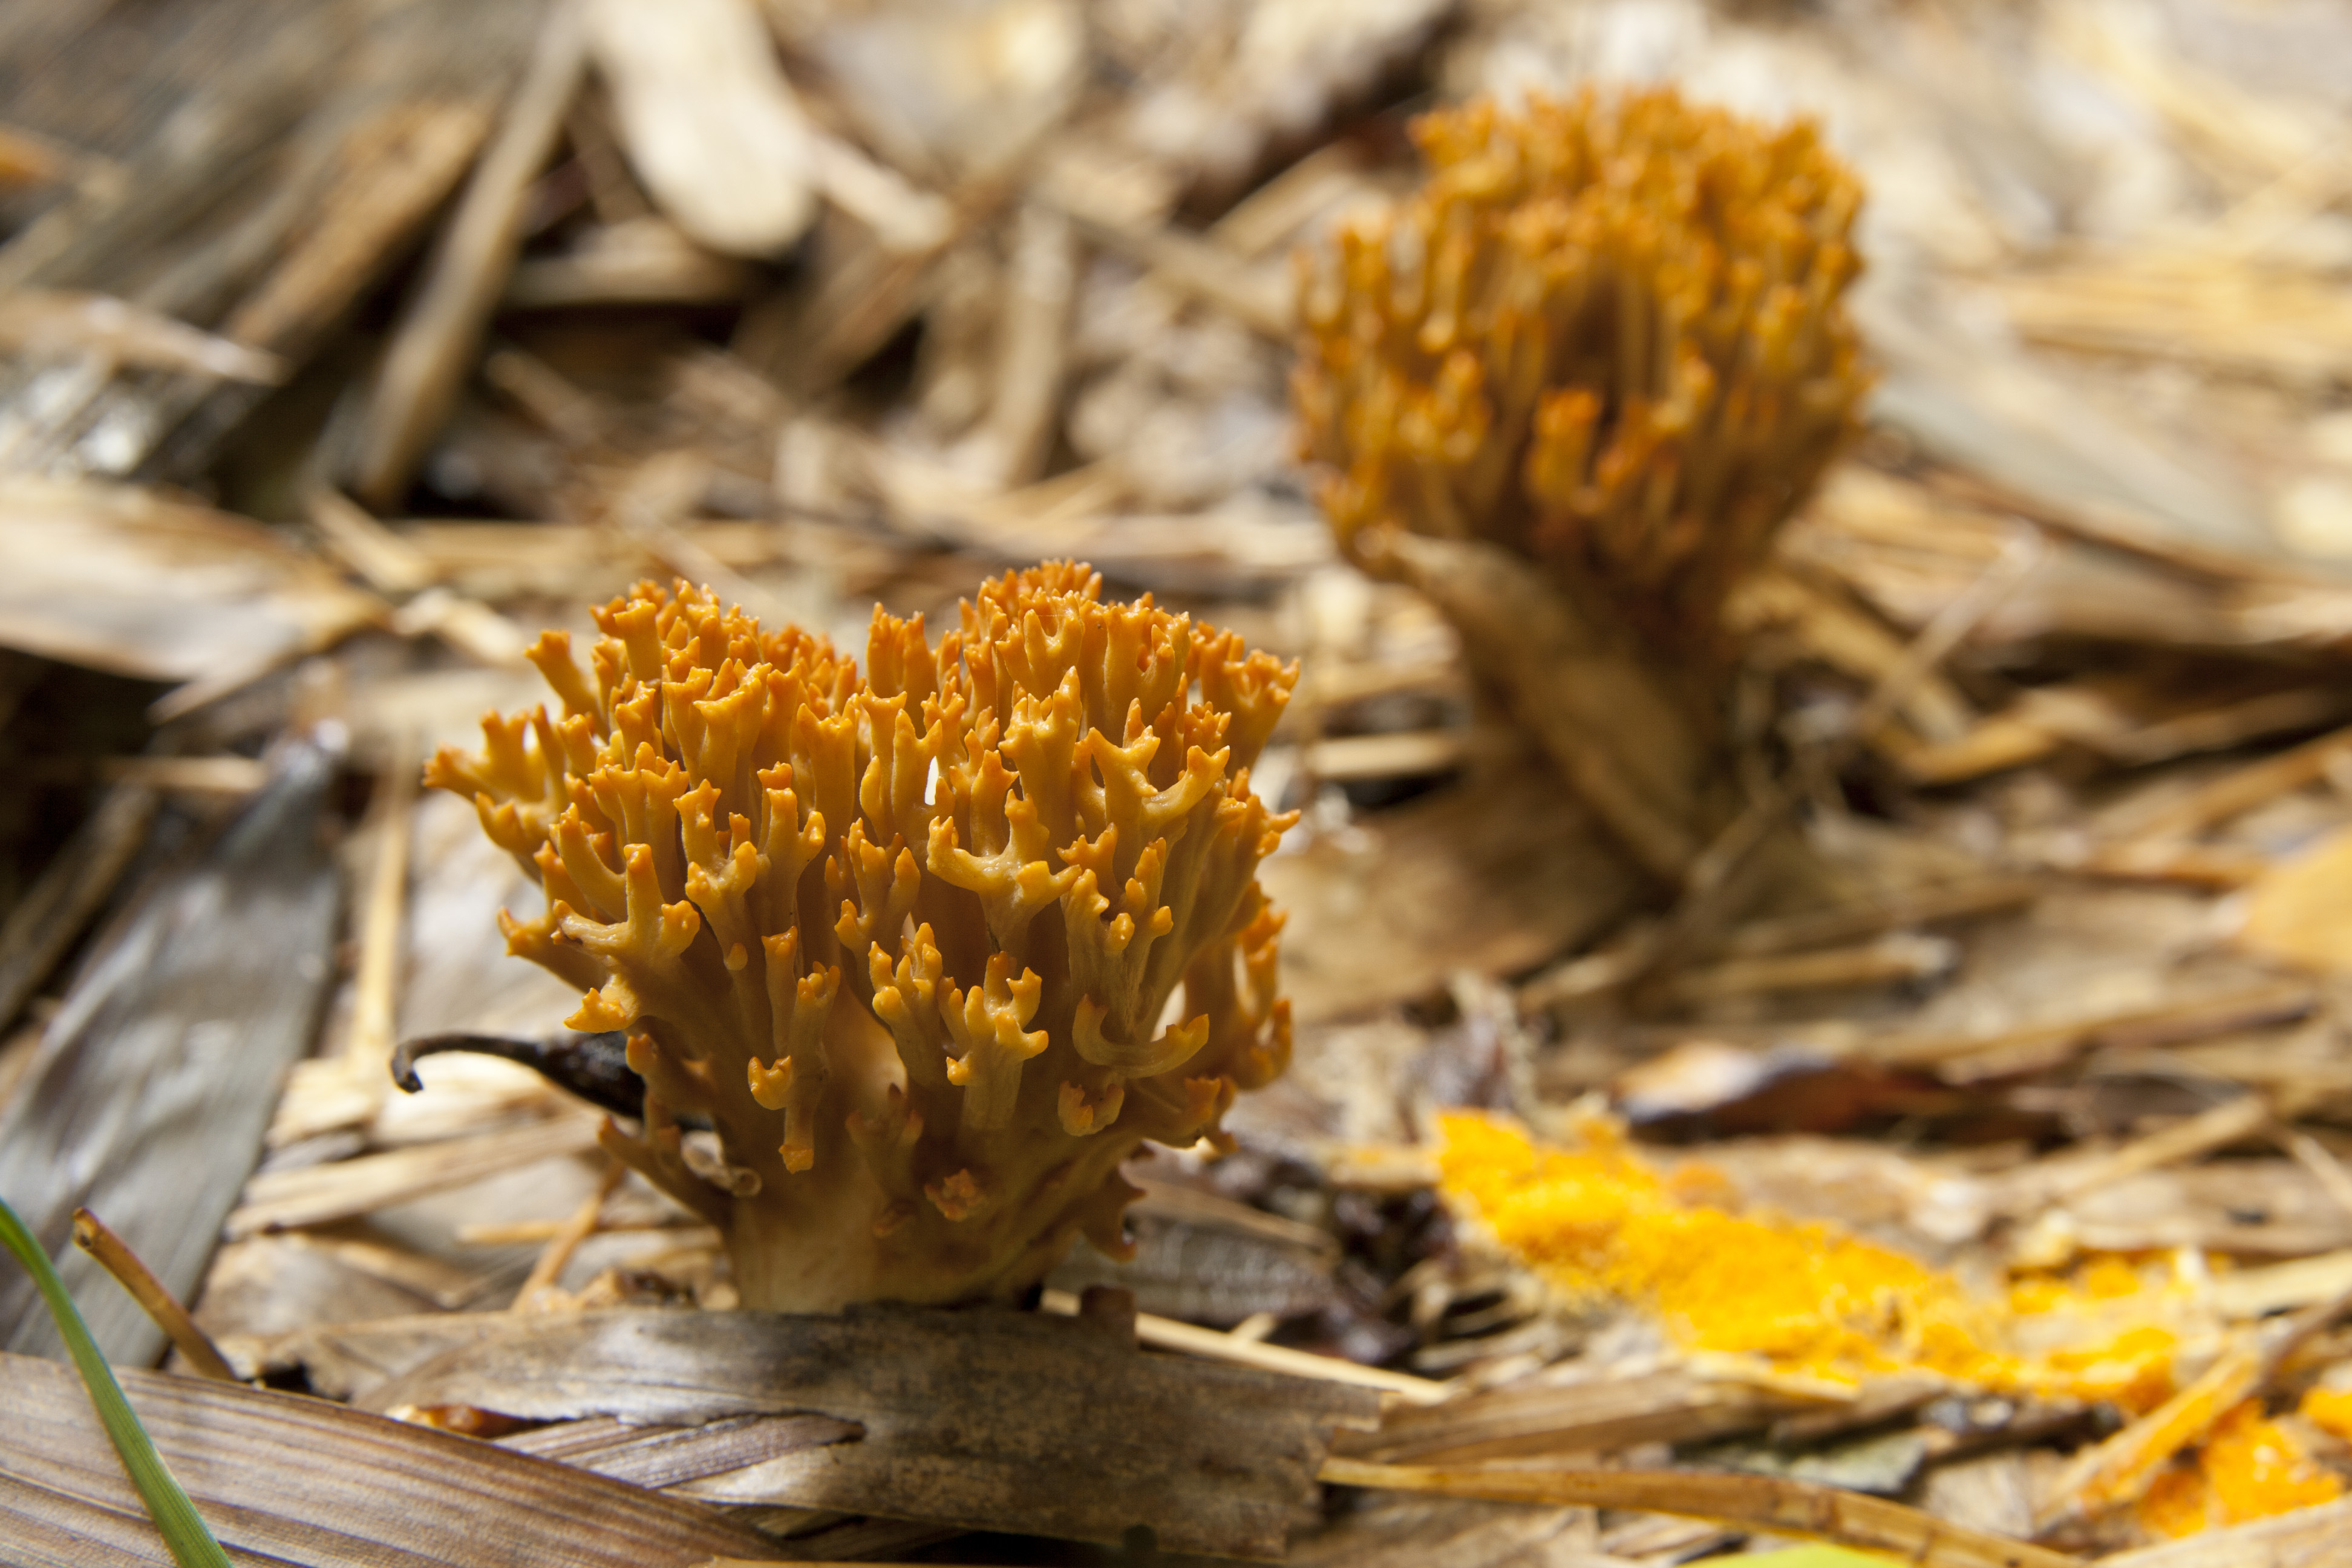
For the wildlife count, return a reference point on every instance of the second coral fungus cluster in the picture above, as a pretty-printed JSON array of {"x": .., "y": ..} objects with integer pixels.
[
  {"x": 909, "y": 943},
  {"x": 1606, "y": 332}
]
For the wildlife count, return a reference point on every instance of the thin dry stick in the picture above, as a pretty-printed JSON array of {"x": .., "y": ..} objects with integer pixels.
[
  {"x": 155, "y": 1299},
  {"x": 49, "y": 915},
  {"x": 2217, "y": 1128},
  {"x": 557, "y": 1253},
  {"x": 2240, "y": 791},
  {"x": 1191, "y": 1339},
  {"x": 2312, "y": 1156},
  {"x": 1756, "y": 1502},
  {"x": 367, "y": 1050},
  {"x": 517, "y": 1233},
  {"x": 390, "y": 563},
  {"x": 1879, "y": 913},
  {"x": 433, "y": 345},
  {"x": 1944, "y": 632}
]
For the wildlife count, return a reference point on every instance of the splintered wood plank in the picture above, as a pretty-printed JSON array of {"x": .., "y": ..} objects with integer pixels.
[
  {"x": 155, "y": 1079},
  {"x": 282, "y": 1479},
  {"x": 990, "y": 1420}
]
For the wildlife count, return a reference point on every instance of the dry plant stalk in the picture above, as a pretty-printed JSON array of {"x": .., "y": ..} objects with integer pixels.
[
  {"x": 1605, "y": 337},
  {"x": 839, "y": 917},
  {"x": 93, "y": 1235},
  {"x": 1771, "y": 1503}
]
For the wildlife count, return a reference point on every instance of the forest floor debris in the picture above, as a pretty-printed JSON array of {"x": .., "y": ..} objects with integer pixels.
[{"x": 340, "y": 352}]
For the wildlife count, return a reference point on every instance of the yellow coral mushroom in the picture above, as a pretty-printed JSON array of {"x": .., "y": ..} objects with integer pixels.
[
  {"x": 1606, "y": 332},
  {"x": 1606, "y": 337},
  {"x": 905, "y": 941}
]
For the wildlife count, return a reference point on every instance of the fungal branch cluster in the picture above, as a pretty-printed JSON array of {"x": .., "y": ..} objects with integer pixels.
[
  {"x": 931, "y": 952},
  {"x": 1605, "y": 333}
]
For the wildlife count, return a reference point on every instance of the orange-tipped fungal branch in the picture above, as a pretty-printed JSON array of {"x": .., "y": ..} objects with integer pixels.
[
  {"x": 914, "y": 943},
  {"x": 1606, "y": 337}
]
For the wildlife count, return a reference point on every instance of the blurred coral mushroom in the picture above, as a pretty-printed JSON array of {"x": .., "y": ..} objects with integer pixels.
[
  {"x": 1606, "y": 337},
  {"x": 907, "y": 941}
]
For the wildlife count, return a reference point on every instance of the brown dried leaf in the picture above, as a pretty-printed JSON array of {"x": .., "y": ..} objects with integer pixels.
[
  {"x": 286, "y": 1480},
  {"x": 119, "y": 580}
]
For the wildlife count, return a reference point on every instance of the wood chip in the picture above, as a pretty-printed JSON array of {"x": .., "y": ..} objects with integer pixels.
[
  {"x": 229, "y": 775},
  {"x": 2190, "y": 1017},
  {"x": 709, "y": 123},
  {"x": 2306, "y": 1538},
  {"x": 123, "y": 580},
  {"x": 1499, "y": 874},
  {"x": 43, "y": 322},
  {"x": 1898, "y": 958},
  {"x": 660, "y": 1456},
  {"x": 2239, "y": 789}
]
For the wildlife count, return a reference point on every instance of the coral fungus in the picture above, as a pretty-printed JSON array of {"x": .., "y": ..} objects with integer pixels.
[
  {"x": 1607, "y": 336},
  {"x": 1605, "y": 333},
  {"x": 909, "y": 943}
]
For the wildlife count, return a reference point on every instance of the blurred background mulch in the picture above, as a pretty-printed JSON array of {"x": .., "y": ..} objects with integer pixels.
[{"x": 345, "y": 343}]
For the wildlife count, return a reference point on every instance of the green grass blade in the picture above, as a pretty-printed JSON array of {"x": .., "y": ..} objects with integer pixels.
[{"x": 183, "y": 1529}]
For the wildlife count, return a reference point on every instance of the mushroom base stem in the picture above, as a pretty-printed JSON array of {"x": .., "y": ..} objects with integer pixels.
[
  {"x": 1628, "y": 734},
  {"x": 829, "y": 1237}
]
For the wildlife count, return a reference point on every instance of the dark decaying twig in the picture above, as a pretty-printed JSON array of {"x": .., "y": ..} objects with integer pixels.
[{"x": 595, "y": 1067}]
